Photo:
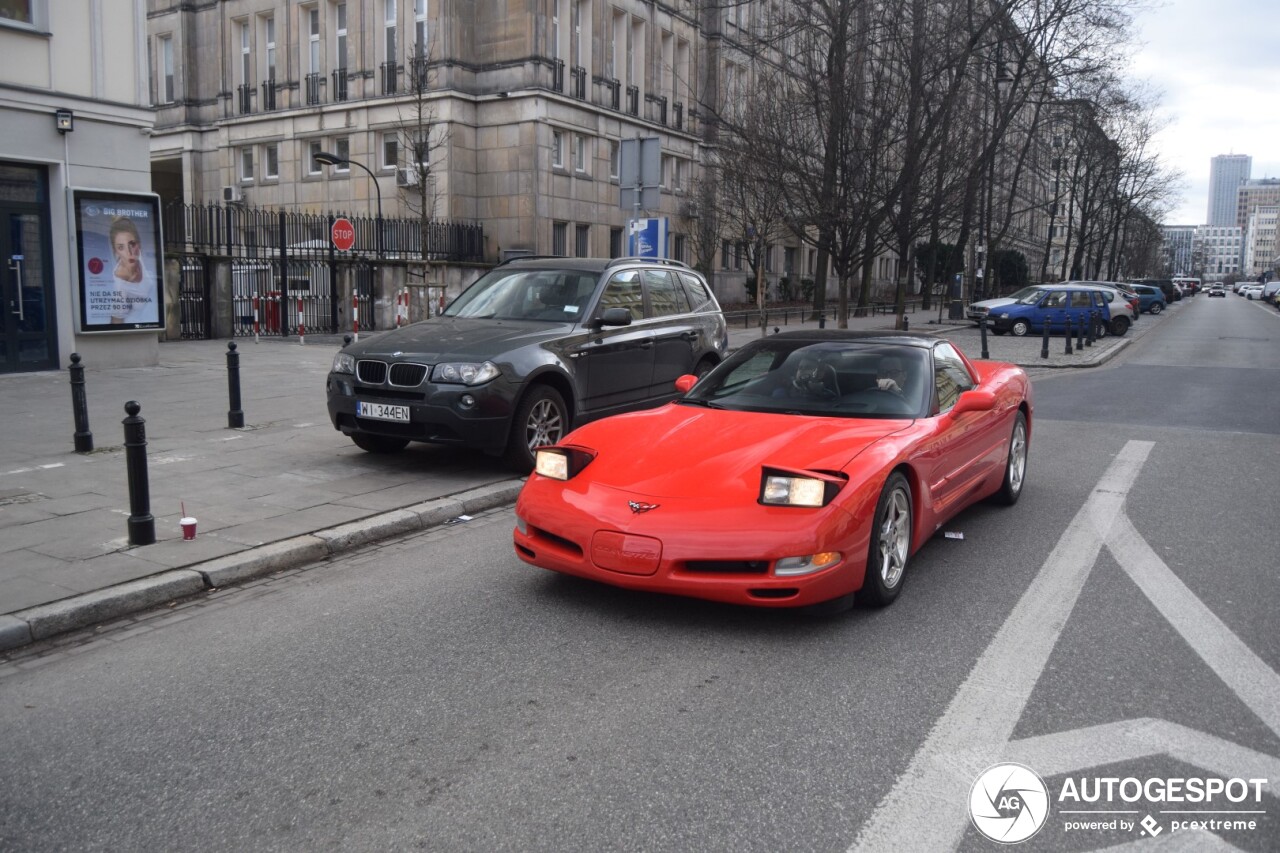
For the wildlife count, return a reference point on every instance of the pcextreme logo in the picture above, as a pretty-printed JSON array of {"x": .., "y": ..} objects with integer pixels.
[{"x": 1009, "y": 803}]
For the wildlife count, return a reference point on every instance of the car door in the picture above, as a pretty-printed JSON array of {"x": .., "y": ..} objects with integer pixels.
[
  {"x": 675, "y": 332},
  {"x": 619, "y": 358},
  {"x": 1053, "y": 310},
  {"x": 965, "y": 448},
  {"x": 1079, "y": 305}
]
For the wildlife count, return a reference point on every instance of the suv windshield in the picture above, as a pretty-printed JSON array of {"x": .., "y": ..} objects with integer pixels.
[{"x": 547, "y": 295}]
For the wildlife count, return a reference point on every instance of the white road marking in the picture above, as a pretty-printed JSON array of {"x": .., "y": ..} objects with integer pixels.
[
  {"x": 927, "y": 807},
  {"x": 1244, "y": 672},
  {"x": 1183, "y": 841}
]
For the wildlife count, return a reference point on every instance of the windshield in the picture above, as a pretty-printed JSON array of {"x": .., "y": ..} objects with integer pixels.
[
  {"x": 845, "y": 379},
  {"x": 548, "y": 295},
  {"x": 1028, "y": 295}
]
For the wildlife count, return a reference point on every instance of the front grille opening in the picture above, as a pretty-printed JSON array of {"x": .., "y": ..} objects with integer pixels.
[
  {"x": 734, "y": 567},
  {"x": 560, "y": 541},
  {"x": 408, "y": 375},
  {"x": 372, "y": 372},
  {"x": 774, "y": 593}
]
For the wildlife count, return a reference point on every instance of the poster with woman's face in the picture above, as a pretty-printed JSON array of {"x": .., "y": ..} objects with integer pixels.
[{"x": 118, "y": 237}]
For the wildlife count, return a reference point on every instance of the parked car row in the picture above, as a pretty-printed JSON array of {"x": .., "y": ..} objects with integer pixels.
[
  {"x": 1266, "y": 292},
  {"x": 1033, "y": 308}
]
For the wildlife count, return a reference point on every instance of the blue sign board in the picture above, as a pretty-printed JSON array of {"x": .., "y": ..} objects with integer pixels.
[{"x": 647, "y": 238}]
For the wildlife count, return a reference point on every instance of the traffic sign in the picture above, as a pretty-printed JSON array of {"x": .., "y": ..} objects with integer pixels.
[{"x": 343, "y": 234}]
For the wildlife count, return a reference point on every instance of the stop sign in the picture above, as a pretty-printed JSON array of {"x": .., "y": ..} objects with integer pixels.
[{"x": 343, "y": 234}]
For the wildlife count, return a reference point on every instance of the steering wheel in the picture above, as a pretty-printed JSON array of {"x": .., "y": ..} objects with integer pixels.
[{"x": 825, "y": 384}]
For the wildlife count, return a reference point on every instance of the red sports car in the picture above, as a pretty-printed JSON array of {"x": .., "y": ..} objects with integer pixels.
[{"x": 805, "y": 469}]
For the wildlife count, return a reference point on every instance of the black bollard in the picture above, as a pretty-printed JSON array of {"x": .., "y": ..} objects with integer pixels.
[
  {"x": 1044, "y": 343},
  {"x": 1093, "y": 328},
  {"x": 142, "y": 525},
  {"x": 1080, "y": 336},
  {"x": 80, "y": 406},
  {"x": 982, "y": 328},
  {"x": 346, "y": 341},
  {"x": 906, "y": 323},
  {"x": 1067, "y": 348},
  {"x": 235, "y": 416},
  {"x": 822, "y": 320}
]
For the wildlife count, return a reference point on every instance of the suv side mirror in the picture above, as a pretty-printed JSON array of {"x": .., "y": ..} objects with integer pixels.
[{"x": 612, "y": 317}]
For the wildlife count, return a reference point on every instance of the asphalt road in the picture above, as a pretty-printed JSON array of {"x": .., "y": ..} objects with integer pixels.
[{"x": 436, "y": 693}]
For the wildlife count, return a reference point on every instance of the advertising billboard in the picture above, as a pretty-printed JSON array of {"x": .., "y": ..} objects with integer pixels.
[{"x": 118, "y": 245}]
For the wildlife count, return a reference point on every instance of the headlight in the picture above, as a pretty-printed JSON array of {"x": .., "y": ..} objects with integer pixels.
[
  {"x": 561, "y": 463},
  {"x": 1004, "y": 316},
  {"x": 808, "y": 564},
  {"x": 343, "y": 363},
  {"x": 798, "y": 488},
  {"x": 465, "y": 373}
]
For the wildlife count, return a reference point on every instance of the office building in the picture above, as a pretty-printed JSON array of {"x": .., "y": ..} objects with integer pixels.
[{"x": 1226, "y": 173}]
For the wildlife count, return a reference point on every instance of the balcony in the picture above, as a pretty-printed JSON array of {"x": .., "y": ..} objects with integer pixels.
[
  {"x": 614, "y": 88},
  {"x": 677, "y": 115},
  {"x": 633, "y": 100},
  {"x": 314, "y": 83},
  {"x": 269, "y": 94},
  {"x": 390, "y": 73},
  {"x": 578, "y": 82},
  {"x": 244, "y": 98},
  {"x": 340, "y": 85},
  {"x": 420, "y": 74},
  {"x": 557, "y": 75}
]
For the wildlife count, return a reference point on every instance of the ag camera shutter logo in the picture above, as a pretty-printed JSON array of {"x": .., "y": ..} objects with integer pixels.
[{"x": 1008, "y": 803}]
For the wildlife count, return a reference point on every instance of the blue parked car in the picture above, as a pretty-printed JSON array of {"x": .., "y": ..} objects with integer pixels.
[
  {"x": 1150, "y": 298},
  {"x": 1052, "y": 304}
]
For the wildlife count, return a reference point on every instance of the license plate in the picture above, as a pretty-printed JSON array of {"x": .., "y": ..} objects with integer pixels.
[{"x": 382, "y": 411}]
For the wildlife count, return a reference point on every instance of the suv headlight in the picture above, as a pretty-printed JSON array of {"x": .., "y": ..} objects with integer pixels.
[
  {"x": 343, "y": 363},
  {"x": 465, "y": 373}
]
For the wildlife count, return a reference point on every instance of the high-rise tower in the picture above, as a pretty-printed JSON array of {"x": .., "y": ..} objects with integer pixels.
[{"x": 1226, "y": 173}]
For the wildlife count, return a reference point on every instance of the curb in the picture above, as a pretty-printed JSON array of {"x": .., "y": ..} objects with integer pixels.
[{"x": 82, "y": 611}]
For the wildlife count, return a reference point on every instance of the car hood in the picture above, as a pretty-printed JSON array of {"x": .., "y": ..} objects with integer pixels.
[
  {"x": 681, "y": 450},
  {"x": 993, "y": 303},
  {"x": 459, "y": 339}
]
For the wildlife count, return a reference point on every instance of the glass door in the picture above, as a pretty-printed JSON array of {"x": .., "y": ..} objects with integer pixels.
[{"x": 27, "y": 339}]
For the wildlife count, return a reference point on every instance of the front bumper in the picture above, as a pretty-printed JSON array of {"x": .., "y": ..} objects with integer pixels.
[
  {"x": 683, "y": 547},
  {"x": 478, "y": 417}
]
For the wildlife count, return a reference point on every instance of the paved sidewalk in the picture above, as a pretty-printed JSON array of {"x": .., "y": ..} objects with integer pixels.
[{"x": 284, "y": 490}]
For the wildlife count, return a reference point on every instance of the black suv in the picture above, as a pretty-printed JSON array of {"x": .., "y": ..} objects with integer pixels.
[{"x": 531, "y": 349}]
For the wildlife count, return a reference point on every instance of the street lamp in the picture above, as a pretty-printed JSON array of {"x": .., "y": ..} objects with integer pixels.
[
  {"x": 1002, "y": 80},
  {"x": 333, "y": 160}
]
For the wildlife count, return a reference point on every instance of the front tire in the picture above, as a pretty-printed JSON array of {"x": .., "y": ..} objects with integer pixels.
[
  {"x": 542, "y": 419},
  {"x": 379, "y": 443},
  {"x": 1020, "y": 328},
  {"x": 1015, "y": 469},
  {"x": 890, "y": 547}
]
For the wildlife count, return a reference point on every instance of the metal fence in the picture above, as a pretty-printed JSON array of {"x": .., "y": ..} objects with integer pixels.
[
  {"x": 285, "y": 270},
  {"x": 239, "y": 230}
]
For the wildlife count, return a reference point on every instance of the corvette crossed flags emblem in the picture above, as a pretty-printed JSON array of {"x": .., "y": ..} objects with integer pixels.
[{"x": 638, "y": 507}]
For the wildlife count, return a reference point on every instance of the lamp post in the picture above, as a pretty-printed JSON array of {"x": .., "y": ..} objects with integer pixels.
[
  {"x": 333, "y": 160},
  {"x": 1002, "y": 80}
]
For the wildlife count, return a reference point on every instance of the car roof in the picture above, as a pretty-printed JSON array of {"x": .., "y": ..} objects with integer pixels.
[
  {"x": 595, "y": 265},
  {"x": 914, "y": 339}
]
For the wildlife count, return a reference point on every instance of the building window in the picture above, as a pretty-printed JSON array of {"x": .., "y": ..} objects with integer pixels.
[
  {"x": 314, "y": 166},
  {"x": 166, "y": 69},
  {"x": 615, "y": 155},
  {"x": 271, "y": 161},
  {"x": 390, "y": 150},
  {"x": 246, "y": 58},
  {"x": 580, "y": 153},
  {"x": 313, "y": 42},
  {"x": 32, "y": 13},
  {"x": 269, "y": 33},
  {"x": 615, "y": 242},
  {"x": 420, "y": 27},
  {"x": 725, "y": 253},
  {"x": 677, "y": 248},
  {"x": 583, "y": 235},
  {"x": 342, "y": 148},
  {"x": 559, "y": 238},
  {"x": 389, "y": 22},
  {"x": 557, "y": 148},
  {"x": 340, "y": 47},
  {"x": 246, "y": 165}
]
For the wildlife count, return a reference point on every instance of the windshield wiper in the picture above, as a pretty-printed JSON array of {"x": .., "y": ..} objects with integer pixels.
[{"x": 693, "y": 401}]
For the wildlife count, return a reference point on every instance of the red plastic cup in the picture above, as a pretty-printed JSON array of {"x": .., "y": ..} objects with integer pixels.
[{"x": 188, "y": 527}]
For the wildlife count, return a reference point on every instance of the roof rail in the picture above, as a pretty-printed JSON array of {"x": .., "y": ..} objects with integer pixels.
[
  {"x": 635, "y": 259},
  {"x": 528, "y": 258}
]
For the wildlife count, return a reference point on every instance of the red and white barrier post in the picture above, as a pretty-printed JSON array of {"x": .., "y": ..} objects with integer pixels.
[
  {"x": 302, "y": 331},
  {"x": 256, "y": 329},
  {"x": 355, "y": 317}
]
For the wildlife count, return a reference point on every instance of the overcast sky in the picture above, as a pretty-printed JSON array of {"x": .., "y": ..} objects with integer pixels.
[{"x": 1217, "y": 63}]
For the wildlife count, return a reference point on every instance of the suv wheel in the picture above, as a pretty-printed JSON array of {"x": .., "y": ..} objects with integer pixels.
[{"x": 541, "y": 419}]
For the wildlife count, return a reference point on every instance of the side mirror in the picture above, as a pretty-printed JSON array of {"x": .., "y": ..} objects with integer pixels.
[
  {"x": 973, "y": 401},
  {"x": 684, "y": 383},
  {"x": 612, "y": 317}
]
